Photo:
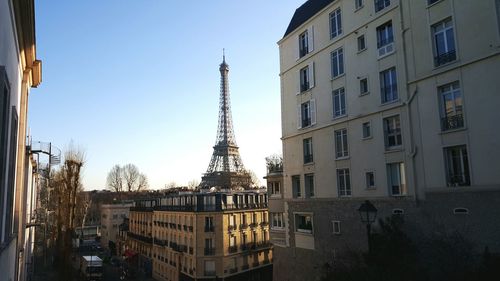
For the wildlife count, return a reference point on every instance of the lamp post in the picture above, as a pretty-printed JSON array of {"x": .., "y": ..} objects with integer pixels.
[{"x": 368, "y": 214}]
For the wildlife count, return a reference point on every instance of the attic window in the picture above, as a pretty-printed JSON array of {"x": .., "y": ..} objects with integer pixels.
[
  {"x": 461, "y": 211},
  {"x": 398, "y": 212}
]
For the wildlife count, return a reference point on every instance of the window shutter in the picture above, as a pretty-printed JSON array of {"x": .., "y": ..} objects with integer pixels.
[
  {"x": 297, "y": 47},
  {"x": 312, "y": 104},
  {"x": 311, "y": 75},
  {"x": 310, "y": 39},
  {"x": 299, "y": 117},
  {"x": 298, "y": 82}
]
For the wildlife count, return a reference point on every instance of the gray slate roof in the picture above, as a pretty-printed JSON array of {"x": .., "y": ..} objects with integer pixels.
[{"x": 305, "y": 12}]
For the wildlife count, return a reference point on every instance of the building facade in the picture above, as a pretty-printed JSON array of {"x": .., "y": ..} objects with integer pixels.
[
  {"x": 391, "y": 101},
  {"x": 20, "y": 70},
  {"x": 202, "y": 236},
  {"x": 112, "y": 215}
]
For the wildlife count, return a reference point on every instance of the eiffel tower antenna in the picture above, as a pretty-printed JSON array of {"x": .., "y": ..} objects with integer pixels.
[{"x": 226, "y": 170}]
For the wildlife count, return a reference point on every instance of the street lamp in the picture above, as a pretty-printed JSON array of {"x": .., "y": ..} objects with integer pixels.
[{"x": 368, "y": 214}]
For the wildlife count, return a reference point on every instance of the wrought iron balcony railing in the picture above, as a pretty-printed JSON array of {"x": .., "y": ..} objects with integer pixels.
[
  {"x": 445, "y": 58},
  {"x": 452, "y": 122},
  {"x": 209, "y": 251}
]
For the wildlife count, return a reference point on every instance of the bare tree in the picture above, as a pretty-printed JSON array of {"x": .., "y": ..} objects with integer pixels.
[
  {"x": 131, "y": 176},
  {"x": 170, "y": 185},
  {"x": 115, "y": 180},
  {"x": 255, "y": 180},
  {"x": 126, "y": 178},
  {"x": 192, "y": 184},
  {"x": 142, "y": 182}
]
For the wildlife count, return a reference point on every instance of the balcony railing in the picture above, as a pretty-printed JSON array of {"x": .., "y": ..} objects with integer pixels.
[
  {"x": 255, "y": 264},
  {"x": 244, "y": 226},
  {"x": 209, "y": 273},
  {"x": 445, "y": 58},
  {"x": 458, "y": 180},
  {"x": 181, "y": 248},
  {"x": 245, "y": 267},
  {"x": 190, "y": 250},
  {"x": 253, "y": 225},
  {"x": 231, "y": 228},
  {"x": 233, "y": 270},
  {"x": 306, "y": 122},
  {"x": 160, "y": 242},
  {"x": 209, "y": 251},
  {"x": 244, "y": 247},
  {"x": 190, "y": 228},
  {"x": 264, "y": 223},
  {"x": 304, "y": 86},
  {"x": 184, "y": 227},
  {"x": 139, "y": 237},
  {"x": 452, "y": 122},
  {"x": 209, "y": 228},
  {"x": 233, "y": 249}
]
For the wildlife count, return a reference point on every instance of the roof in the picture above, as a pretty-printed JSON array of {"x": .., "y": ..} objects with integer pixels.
[{"x": 305, "y": 12}]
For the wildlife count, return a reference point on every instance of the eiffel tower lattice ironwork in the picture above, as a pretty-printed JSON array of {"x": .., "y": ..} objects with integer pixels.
[{"x": 226, "y": 170}]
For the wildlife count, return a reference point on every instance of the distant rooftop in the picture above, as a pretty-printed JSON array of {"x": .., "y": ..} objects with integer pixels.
[{"x": 305, "y": 12}]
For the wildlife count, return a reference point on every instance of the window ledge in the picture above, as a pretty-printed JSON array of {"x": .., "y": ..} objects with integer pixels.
[
  {"x": 304, "y": 232},
  {"x": 309, "y": 163},
  {"x": 433, "y": 4},
  {"x": 390, "y": 102},
  {"x": 364, "y": 94},
  {"x": 342, "y": 158},
  {"x": 437, "y": 67},
  {"x": 358, "y": 8},
  {"x": 361, "y": 51},
  {"x": 338, "y": 76},
  {"x": 305, "y": 91},
  {"x": 394, "y": 149},
  {"x": 339, "y": 117},
  {"x": 453, "y": 131},
  {"x": 387, "y": 54},
  {"x": 371, "y": 188},
  {"x": 277, "y": 229},
  {"x": 367, "y": 138}
]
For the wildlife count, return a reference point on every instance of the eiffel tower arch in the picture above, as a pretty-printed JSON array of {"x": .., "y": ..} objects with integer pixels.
[{"x": 226, "y": 170}]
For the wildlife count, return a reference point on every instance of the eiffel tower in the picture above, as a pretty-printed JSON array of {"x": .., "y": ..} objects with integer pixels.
[{"x": 226, "y": 170}]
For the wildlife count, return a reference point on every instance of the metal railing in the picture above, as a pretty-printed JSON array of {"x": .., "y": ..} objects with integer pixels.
[
  {"x": 233, "y": 249},
  {"x": 209, "y": 228},
  {"x": 445, "y": 58},
  {"x": 209, "y": 251},
  {"x": 452, "y": 122}
]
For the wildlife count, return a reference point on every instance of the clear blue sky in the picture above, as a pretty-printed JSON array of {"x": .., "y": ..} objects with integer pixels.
[{"x": 138, "y": 82}]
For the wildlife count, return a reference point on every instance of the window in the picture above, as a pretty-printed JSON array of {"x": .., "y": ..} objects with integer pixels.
[
  {"x": 444, "y": 43},
  {"x": 392, "y": 132},
  {"x": 343, "y": 182},
  {"x": 209, "y": 247},
  {"x": 457, "y": 166},
  {"x": 385, "y": 39},
  {"x": 307, "y": 114},
  {"x": 309, "y": 185},
  {"x": 275, "y": 187},
  {"x": 209, "y": 268},
  {"x": 303, "y": 223},
  {"x": 388, "y": 85},
  {"x": 209, "y": 224},
  {"x": 396, "y": 179},
  {"x": 337, "y": 62},
  {"x": 296, "y": 187},
  {"x": 451, "y": 107},
  {"x": 308, "y": 150},
  {"x": 304, "y": 79},
  {"x": 306, "y": 42},
  {"x": 335, "y": 23},
  {"x": 370, "y": 180},
  {"x": 361, "y": 43},
  {"x": 336, "y": 227},
  {"x": 232, "y": 221},
  {"x": 4, "y": 130},
  {"x": 232, "y": 241},
  {"x": 363, "y": 86},
  {"x": 367, "y": 131},
  {"x": 277, "y": 221},
  {"x": 381, "y": 4},
  {"x": 430, "y": 2},
  {"x": 497, "y": 4},
  {"x": 303, "y": 44},
  {"x": 339, "y": 107},
  {"x": 358, "y": 4},
  {"x": 341, "y": 147}
]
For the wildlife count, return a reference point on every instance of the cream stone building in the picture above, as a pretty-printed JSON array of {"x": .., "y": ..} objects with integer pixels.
[
  {"x": 20, "y": 70},
  {"x": 394, "y": 101},
  {"x": 112, "y": 215},
  {"x": 202, "y": 236}
]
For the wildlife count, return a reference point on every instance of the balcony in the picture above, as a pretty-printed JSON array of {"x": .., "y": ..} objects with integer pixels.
[
  {"x": 233, "y": 249},
  {"x": 209, "y": 228},
  {"x": 264, "y": 224},
  {"x": 304, "y": 86},
  {"x": 243, "y": 226},
  {"x": 306, "y": 122},
  {"x": 445, "y": 58},
  {"x": 233, "y": 270},
  {"x": 209, "y": 273},
  {"x": 255, "y": 264},
  {"x": 190, "y": 228},
  {"x": 209, "y": 251},
  {"x": 160, "y": 242},
  {"x": 139, "y": 237},
  {"x": 190, "y": 250},
  {"x": 245, "y": 267},
  {"x": 244, "y": 247},
  {"x": 452, "y": 122},
  {"x": 182, "y": 248},
  {"x": 231, "y": 228},
  {"x": 253, "y": 225},
  {"x": 173, "y": 245}
]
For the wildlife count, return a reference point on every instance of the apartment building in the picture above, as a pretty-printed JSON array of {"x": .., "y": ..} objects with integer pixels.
[
  {"x": 392, "y": 101},
  {"x": 202, "y": 236},
  {"x": 112, "y": 215},
  {"x": 20, "y": 70}
]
